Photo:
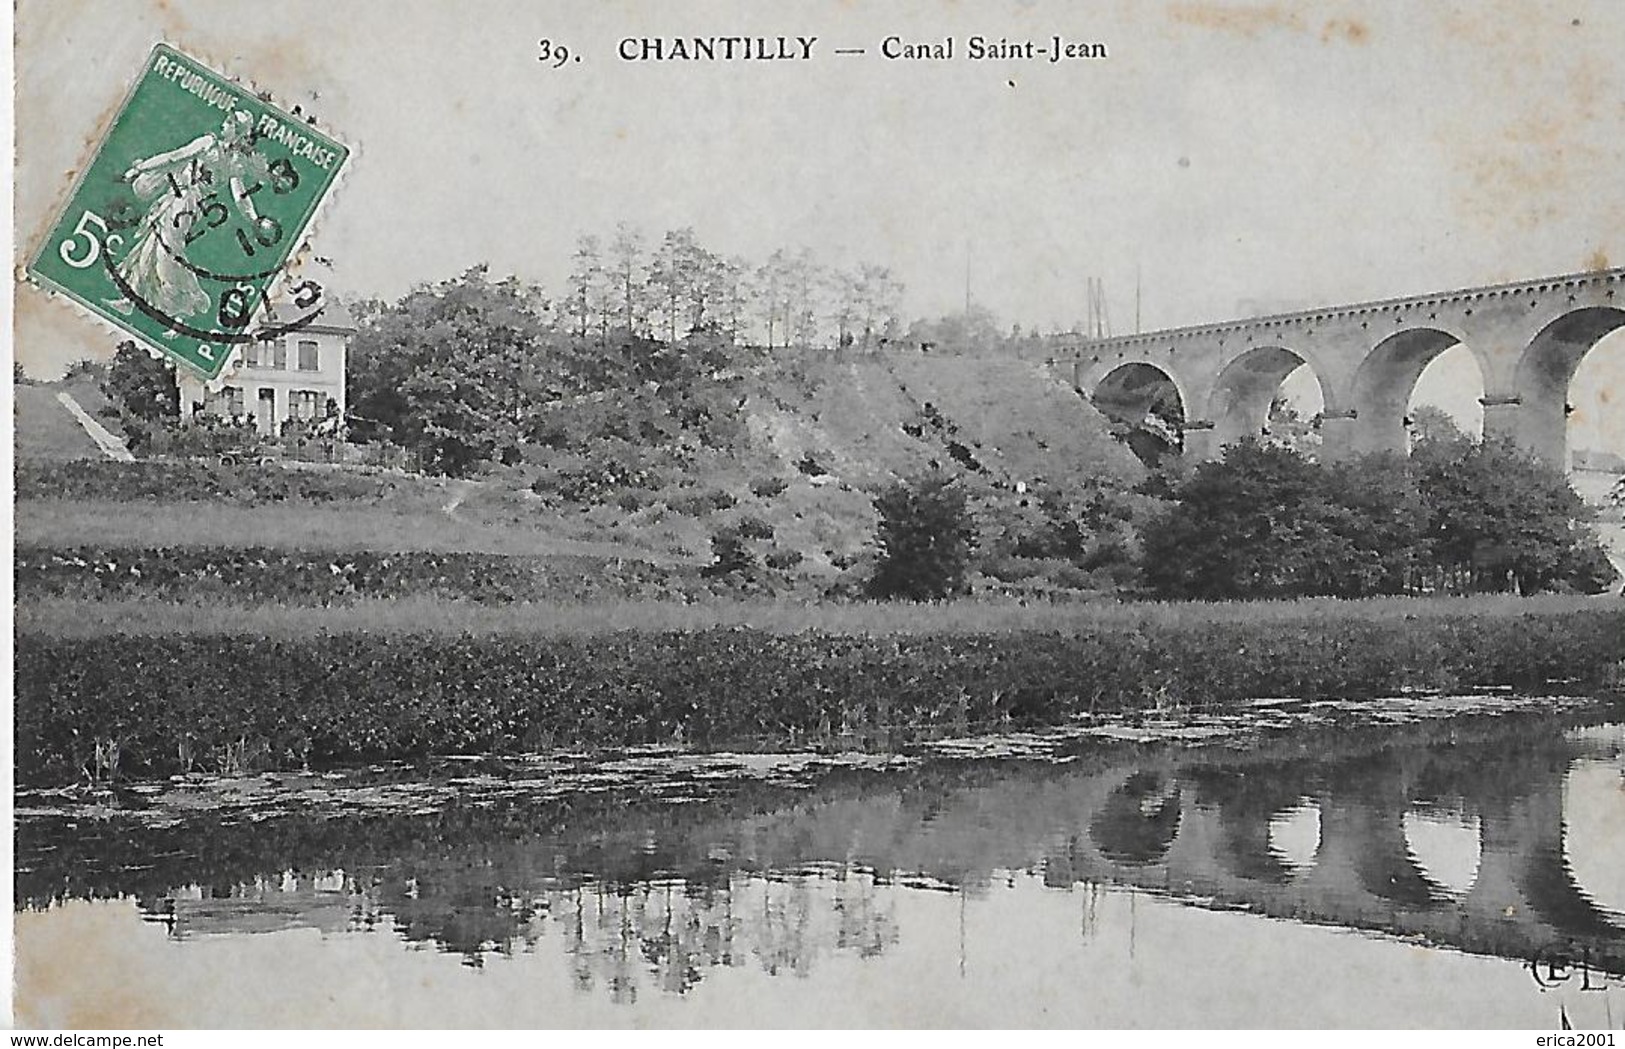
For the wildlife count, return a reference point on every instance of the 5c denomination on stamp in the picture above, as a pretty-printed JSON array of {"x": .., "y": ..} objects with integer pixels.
[{"x": 187, "y": 213}]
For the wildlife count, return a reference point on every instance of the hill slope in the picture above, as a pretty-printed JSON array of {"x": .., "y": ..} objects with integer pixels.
[
  {"x": 44, "y": 429},
  {"x": 874, "y": 419}
]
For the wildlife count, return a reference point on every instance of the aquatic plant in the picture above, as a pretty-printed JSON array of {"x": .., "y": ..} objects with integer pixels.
[{"x": 280, "y": 700}]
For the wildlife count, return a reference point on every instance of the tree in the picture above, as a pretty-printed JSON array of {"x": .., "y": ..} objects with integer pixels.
[
  {"x": 1235, "y": 528},
  {"x": 1264, "y": 521},
  {"x": 457, "y": 372},
  {"x": 1382, "y": 522},
  {"x": 803, "y": 299},
  {"x": 844, "y": 292},
  {"x": 1289, "y": 429},
  {"x": 732, "y": 295},
  {"x": 87, "y": 368},
  {"x": 1500, "y": 519},
  {"x": 878, "y": 295},
  {"x": 686, "y": 280},
  {"x": 926, "y": 537},
  {"x": 627, "y": 272},
  {"x": 1428, "y": 423},
  {"x": 772, "y": 277},
  {"x": 588, "y": 305},
  {"x": 141, "y": 384}
]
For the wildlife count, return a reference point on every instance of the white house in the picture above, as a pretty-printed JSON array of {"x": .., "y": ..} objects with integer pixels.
[{"x": 294, "y": 376}]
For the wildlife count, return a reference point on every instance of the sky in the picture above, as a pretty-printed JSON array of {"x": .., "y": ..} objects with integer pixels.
[{"x": 1222, "y": 158}]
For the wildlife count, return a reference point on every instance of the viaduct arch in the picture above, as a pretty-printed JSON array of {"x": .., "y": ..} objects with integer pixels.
[{"x": 1528, "y": 338}]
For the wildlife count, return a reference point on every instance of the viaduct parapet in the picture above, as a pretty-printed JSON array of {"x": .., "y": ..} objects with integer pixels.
[{"x": 1527, "y": 337}]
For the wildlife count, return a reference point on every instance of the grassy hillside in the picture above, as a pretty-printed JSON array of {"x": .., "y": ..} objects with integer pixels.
[
  {"x": 45, "y": 430},
  {"x": 806, "y": 441},
  {"x": 834, "y": 432},
  {"x": 873, "y": 419}
]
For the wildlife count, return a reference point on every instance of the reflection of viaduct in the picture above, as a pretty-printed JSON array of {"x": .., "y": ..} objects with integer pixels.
[
  {"x": 1191, "y": 829},
  {"x": 1528, "y": 338},
  {"x": 1206, "y": 832}
]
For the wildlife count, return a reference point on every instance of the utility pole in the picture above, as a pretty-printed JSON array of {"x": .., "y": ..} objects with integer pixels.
[{"x": 1100, "y": 322}]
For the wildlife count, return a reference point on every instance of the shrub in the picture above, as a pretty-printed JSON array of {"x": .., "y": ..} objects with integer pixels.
[
  {"x": 702, "y": 502},
  {"x": 258, "y": 574},
  {"x": 194, "y": 481},
  {"x": 925, "y": 538},
  {"x": 752, "y": 527},
  {"x": 783, "y": 560},
  {"x": 730, "y": 552}
]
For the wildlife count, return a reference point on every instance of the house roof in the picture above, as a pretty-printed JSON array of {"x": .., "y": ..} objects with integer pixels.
[{"x": 335, "y": 317}]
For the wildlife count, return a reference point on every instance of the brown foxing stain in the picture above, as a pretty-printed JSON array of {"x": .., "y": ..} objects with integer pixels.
[
  {"x": 50, "y": 333},
  {"x": 284, "y": 66},
  {"x": 1347, "y": 30},
  {"x": 1530, "y": 160},
  {"x": 174, "y": 23},
  {"x": 64, "y": 976},
  {"x": 1597, "y": 260},
  {"x": 1248, "y": 21}
]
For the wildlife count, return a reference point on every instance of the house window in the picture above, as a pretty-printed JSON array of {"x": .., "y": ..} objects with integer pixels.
[
  {"x": 307, "y": 404},
  {"x": 265, "y": 411},
  {"x": 251, "y": 354},
  {"x": 279, "y": 355},
  {"x": 309, "y": 360},
  {"x": 234, "y": 400}
]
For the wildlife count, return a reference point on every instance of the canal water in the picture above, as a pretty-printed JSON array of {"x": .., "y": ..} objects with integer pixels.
[{"x": 1299, "y": 865}]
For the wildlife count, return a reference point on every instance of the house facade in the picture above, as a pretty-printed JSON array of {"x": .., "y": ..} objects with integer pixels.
[{"x": 299, "y": 375}]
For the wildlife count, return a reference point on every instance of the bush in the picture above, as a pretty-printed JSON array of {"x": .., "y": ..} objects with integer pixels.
[
  {"x": 783, "y": 560},
  {"x": 730, "y": 552},
  {"x": 701, "y": 503},
  {"x": 604, "y": 474},
  {"x": 195, "y": 481},
  {"x": 925, "y": 538},
  {"x": 258, "y": 574},
  {"x": 205, "y": 437}
]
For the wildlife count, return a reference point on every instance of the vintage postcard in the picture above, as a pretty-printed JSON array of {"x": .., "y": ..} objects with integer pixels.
[{"x": 818, "y": 515}]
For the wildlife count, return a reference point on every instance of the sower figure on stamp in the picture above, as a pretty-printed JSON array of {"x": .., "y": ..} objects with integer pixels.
[{"x": 180, "y": 191}]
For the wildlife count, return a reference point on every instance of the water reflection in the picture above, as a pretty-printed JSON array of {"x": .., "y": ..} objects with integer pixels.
[{"x": 1464, "y": 837}]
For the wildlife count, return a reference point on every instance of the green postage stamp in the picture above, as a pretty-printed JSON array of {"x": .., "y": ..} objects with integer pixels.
[{"x": 188, "y": 212}]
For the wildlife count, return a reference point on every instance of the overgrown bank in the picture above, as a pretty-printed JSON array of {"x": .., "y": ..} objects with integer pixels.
[{"x": 104, "y": 705}]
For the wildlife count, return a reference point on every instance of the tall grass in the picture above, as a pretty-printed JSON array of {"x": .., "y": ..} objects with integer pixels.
[
  {"x": 59, "y": 523},
  {"x": 80, "y": 617},
  {"x": 213, "y": 692}
]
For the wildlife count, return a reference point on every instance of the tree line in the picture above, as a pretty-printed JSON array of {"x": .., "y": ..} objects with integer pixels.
[
  {"x": 676, "y": 286},
  {"x": 1456, "y": 516},
  {"x": 1265, "y": 521}
]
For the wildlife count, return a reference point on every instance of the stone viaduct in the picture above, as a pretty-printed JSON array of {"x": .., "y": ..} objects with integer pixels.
[{"x": 1527, "y": 337}]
